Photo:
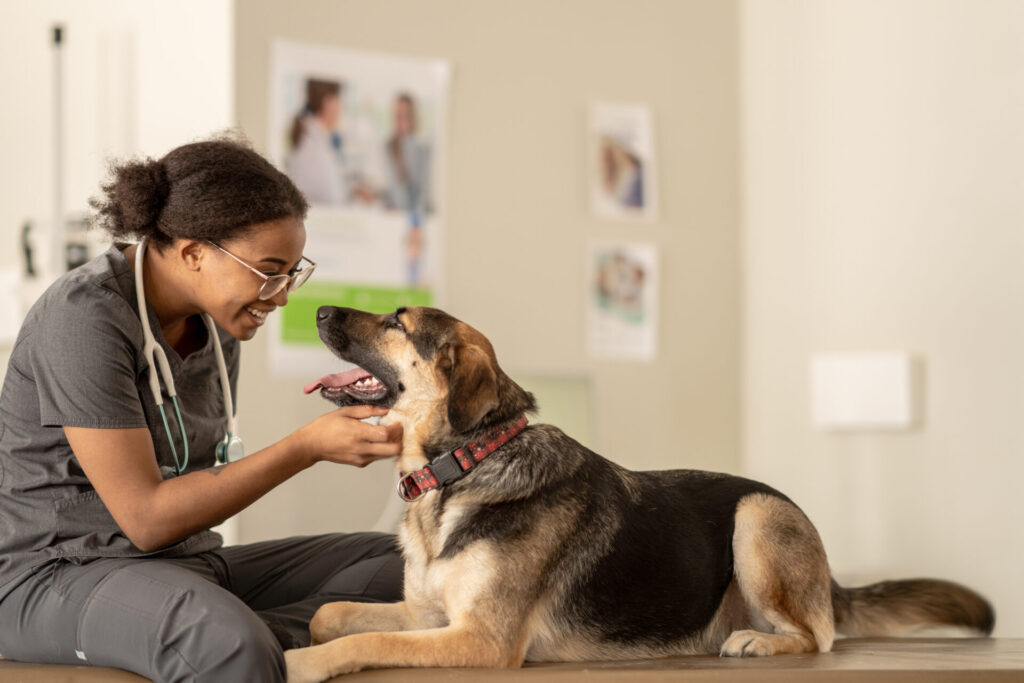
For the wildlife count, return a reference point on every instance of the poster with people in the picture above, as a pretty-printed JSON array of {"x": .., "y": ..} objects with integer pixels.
[
  {"x": 622, "y": 169},
  {"x": 362, "y": 135},
  {"x": 622, "y": 310}
]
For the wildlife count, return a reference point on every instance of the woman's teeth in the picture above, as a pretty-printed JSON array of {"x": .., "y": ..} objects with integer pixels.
[{"x": 259, "y": 315}]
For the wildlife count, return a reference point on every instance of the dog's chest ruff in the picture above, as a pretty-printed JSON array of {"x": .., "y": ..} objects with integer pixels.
[{"x": 454, "y": 464}]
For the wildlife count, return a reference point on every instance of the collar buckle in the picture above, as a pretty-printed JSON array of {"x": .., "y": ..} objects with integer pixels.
[
  {"x": 446, "y": 468},
  {"x": 408, "y": 489}
]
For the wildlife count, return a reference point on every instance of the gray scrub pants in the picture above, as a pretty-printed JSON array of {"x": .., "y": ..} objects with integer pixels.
[{"x": 223, "y": 616}]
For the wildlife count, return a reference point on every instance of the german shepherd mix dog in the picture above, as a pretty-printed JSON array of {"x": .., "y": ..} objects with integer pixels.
[{"x": 522, "y": 545}]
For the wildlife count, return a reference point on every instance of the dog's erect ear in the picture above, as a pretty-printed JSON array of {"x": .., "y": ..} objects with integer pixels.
[{"x": 472, "y": 386}]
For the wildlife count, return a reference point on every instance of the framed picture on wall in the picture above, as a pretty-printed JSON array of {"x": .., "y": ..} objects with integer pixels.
[
  {"x": 363, "y": 136},
  {"x": 621, "y": 164},
  {"x": 622, "y": 307}
]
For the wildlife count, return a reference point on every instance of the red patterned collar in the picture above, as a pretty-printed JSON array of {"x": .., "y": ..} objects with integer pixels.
[{"x": 453, "y": 465}]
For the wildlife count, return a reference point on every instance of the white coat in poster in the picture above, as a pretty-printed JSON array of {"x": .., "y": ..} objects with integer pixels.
[{"x": 363, "y": 136}]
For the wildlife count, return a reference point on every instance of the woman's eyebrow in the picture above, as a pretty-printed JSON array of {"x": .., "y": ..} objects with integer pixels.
[{"x": 281, "y": 263}]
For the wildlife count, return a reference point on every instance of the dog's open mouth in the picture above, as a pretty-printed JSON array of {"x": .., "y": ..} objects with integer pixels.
[{"x": 357, "y": 383}]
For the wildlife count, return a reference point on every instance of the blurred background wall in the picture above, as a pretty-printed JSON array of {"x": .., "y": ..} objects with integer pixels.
[
  {"x": 835, "y": 176},
  {"x": 883, "y": 193},
  {"x": 138, "y": 77}
]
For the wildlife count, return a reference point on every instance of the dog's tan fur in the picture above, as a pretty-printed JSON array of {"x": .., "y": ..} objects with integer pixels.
[
  {"x": 783, "y": 576},
  {"x": 499, "y": 600}
]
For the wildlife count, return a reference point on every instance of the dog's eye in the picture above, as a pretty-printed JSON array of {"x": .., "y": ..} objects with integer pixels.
[{"x": 394, "y": 322}]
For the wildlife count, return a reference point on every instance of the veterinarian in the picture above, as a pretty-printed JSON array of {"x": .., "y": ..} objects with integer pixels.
[{"x": 107, "y": 498}]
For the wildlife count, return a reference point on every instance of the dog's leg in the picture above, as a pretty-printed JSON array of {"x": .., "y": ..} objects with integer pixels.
[
  {"x": 783, "y": 575},
  {"x": 336, "y": 619},
  {"x": 467, "y": 645}
]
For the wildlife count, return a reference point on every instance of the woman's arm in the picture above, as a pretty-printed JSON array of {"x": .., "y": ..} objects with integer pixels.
[{"x": 154, "y": 513}]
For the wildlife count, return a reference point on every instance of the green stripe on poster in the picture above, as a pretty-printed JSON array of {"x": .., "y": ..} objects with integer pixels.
[{"x": 298, "y": 321}]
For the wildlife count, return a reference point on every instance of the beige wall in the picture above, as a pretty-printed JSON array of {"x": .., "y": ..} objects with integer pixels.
[
  {"x": 524, "y": 73},
  {"x": 883, "y": 165}
]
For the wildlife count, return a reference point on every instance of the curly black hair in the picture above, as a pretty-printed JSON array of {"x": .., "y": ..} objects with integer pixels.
[{"x": 213, "y": 190}]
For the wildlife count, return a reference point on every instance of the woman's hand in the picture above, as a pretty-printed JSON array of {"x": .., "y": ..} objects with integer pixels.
[{"x": 340, "y": 437}]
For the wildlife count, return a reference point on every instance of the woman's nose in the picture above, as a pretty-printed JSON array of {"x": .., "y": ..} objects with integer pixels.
[{"x": 281, "y": 298}]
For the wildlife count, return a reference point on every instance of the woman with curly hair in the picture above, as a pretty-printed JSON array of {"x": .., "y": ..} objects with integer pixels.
[{"x": 106, "y": 552}]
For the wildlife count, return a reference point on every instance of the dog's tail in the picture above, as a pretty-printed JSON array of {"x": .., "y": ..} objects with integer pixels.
[{"x": 893, "y": 608}]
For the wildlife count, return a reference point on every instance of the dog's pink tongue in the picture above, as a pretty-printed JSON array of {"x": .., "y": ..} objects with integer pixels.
[{"x": 341, "y": 379}]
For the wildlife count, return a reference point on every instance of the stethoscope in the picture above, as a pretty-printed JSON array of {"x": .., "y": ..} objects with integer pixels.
[{"x": 230, "y": 447}]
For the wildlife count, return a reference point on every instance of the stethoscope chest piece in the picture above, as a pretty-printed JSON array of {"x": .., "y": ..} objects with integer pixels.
[{"x": 230, "y": 449}]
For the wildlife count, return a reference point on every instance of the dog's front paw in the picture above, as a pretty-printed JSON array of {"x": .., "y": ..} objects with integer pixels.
[
  {"x": 748, "y": 644},
  {"x": 319, "y": 662},
  {"x": 303, "y": 666},
  {"x": 328, "y": 623}
]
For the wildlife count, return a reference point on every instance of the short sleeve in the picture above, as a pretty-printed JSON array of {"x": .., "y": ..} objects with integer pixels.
[{"x": 83, "y": 360}]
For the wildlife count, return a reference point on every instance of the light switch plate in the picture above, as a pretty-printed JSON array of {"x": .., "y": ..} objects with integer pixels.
[{"x": 863, "y": 391}]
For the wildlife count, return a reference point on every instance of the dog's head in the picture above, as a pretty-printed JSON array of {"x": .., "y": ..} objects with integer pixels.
[{"x": 422, "y": 362}]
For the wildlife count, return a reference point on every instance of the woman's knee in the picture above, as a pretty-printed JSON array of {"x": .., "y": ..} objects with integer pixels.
[
  {"x": 239, "y": 648},
  {"x": 195, "y": 630}
]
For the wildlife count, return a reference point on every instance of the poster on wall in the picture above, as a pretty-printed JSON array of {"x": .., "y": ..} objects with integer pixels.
[
  {"x": 621, "y": 162},
  {"x": 622, "y": 309},
  {"x": 363, "y": 136}
]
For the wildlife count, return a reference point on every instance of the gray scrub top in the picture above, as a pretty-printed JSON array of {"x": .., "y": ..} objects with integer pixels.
[{"x": 78, "y": 362}]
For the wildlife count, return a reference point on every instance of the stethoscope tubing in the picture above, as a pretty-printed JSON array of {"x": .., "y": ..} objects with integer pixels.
[{"x": 159, "y": 369}]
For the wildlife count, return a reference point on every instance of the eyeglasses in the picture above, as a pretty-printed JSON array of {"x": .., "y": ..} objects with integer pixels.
[{"x": 275, "y": 284}]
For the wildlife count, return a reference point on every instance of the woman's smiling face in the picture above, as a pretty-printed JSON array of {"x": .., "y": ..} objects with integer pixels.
[{"x": 231, "y": 291}]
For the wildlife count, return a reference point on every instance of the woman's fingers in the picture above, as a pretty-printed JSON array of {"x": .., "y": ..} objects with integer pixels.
[
  {"x": 388, "y": 449},
  {"x": 361, "y": 412},
  {"x": 382, "y": 434},
  {"x": 373, "y": 451}
]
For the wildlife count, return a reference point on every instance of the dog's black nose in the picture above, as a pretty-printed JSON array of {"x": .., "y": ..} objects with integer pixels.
[
  {"x": 325, "y": 312},
  {"x": 330, "y": 326}
]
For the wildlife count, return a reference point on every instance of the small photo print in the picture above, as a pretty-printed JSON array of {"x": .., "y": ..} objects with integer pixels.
[
  {"x": 622, "y": 174},
  {"x": 622, "y": 308}
]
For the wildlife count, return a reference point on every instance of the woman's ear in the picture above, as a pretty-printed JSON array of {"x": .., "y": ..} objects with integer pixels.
[
  {"x": 191, "y": 252},
  {"x": 472, "y": 386}
]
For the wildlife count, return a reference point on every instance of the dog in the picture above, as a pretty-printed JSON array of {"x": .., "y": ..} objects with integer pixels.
[{"x": 523, "y": 545}]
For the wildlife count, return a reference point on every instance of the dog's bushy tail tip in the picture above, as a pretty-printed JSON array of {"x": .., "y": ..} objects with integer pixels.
[{"x": 893, "y": 608}]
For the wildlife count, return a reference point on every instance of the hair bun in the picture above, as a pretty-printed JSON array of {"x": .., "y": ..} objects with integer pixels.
[
  {"x": 160, "y": 183},
  {"x": 134, "y": 198}
]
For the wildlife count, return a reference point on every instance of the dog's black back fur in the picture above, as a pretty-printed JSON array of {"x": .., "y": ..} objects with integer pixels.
[
  {"x": 668, "y": 565},
  {"x": 656, "y": 545}
]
